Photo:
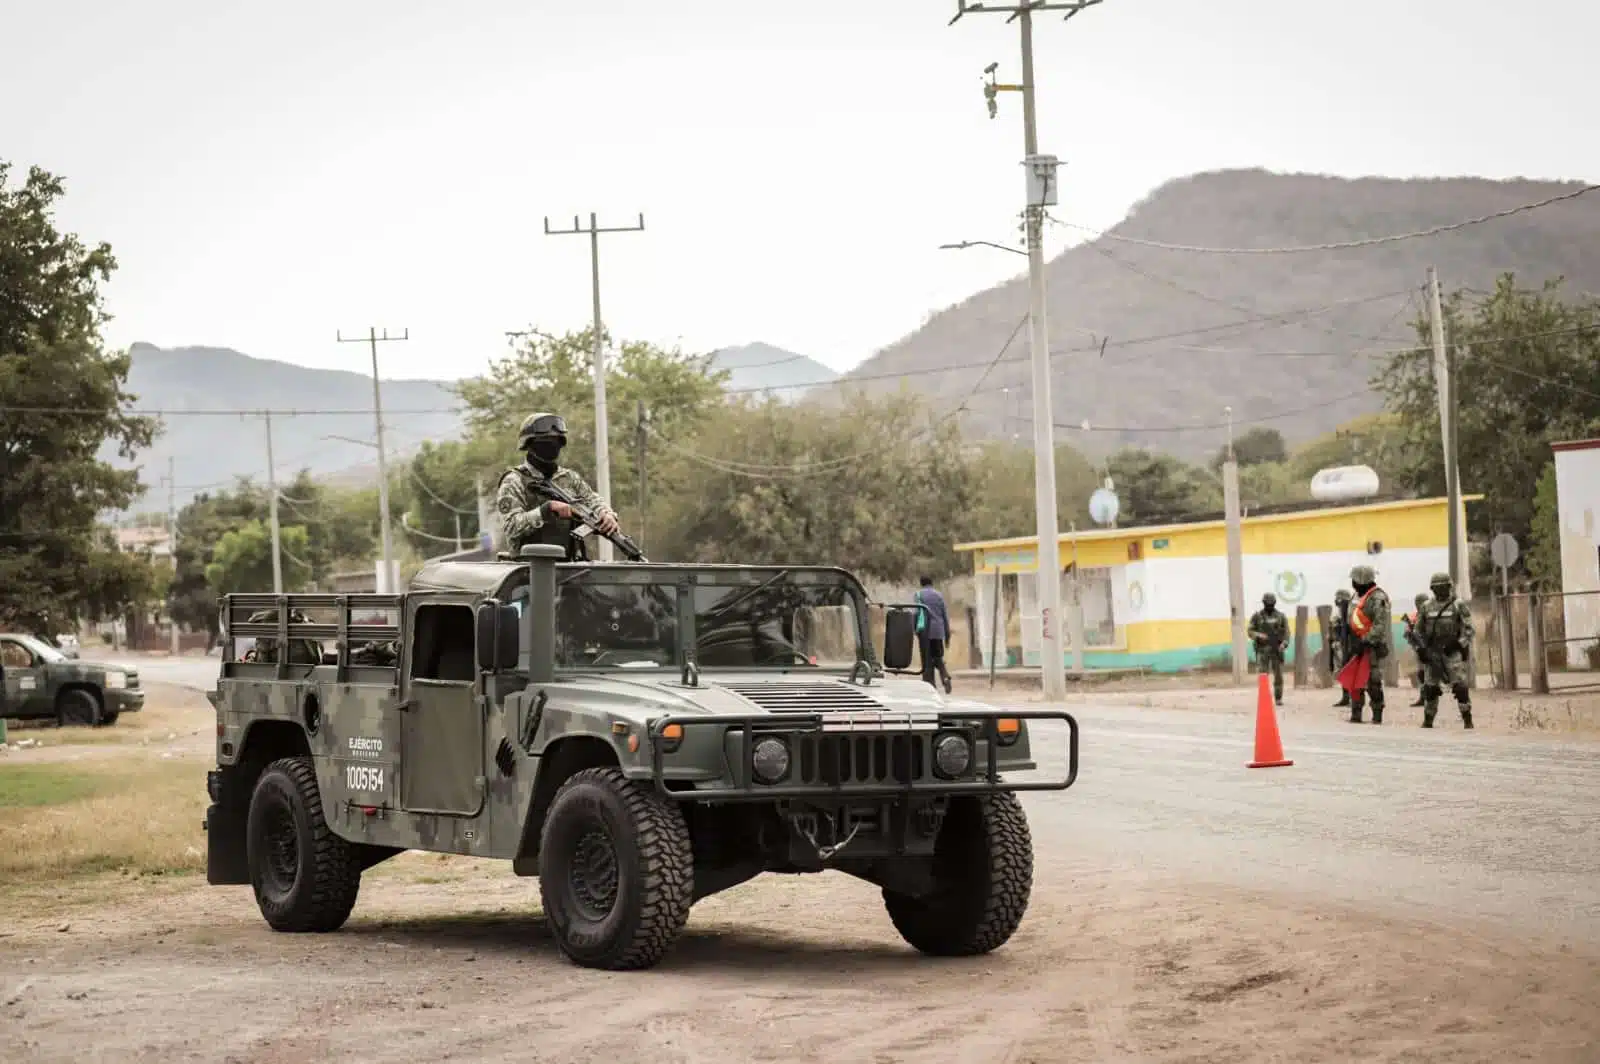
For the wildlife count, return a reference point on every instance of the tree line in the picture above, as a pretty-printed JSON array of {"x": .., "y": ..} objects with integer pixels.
[{"x": 883, "y": 485}]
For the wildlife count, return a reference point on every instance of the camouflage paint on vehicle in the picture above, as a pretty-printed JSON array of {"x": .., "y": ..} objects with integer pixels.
[{"x": 34, "y": 690}]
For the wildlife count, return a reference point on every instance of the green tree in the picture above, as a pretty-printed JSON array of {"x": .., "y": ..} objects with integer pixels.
[
  {"x": 556, "y": 373},
  {"x": 1255, "y": 446},
  {"x": 1372, "y": 440},
  {"x": 242, "y": 559},
  {"x": 441, "y": 488},
  {"x": 1543, "y": 558},
  {"x": 1527, "y": 367},
  {"x": 201, "y": 525},
  {"x": 1153, "y": 487},
  {"x": 61, "y": 400}
]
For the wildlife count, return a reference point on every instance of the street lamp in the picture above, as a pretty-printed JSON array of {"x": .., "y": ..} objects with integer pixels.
[{"x": 984, "y": 243}]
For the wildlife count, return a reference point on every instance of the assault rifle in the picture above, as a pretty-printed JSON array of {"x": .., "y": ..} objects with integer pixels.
[{"x": 588, "y": 520}]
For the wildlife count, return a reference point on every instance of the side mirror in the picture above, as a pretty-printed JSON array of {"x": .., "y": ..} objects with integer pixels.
[
  {"x": 899, "y": 637},
  {"x": 498, "y": 644}
]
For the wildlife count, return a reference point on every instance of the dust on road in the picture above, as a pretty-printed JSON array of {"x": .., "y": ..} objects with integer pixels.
[{"x": 448, "y": 959}]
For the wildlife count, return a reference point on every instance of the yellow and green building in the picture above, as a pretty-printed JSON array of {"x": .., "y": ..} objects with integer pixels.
[{"x": 1157, "y": 597}]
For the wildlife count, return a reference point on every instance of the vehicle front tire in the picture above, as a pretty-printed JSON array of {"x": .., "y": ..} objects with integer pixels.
[
  {"x": 78, "y": 706},
  {"x": 108, "y": 717},
  {"x": 983, "y": 875},
  {"x": 616, "y": 871},
  {"x": 304, "y": 876}
]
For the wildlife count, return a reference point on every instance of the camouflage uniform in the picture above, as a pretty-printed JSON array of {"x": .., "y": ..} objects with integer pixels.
[
  {"x": 1269, "y": 629},
  {"x": 1445, "y": 631},
  {"x": 1339, "y": 639},
  {"x": 525, "y": 517},
  {"x": 301, "y": 651},
  {"x": 1416, "y": 642},
  {"x": 379, "y": 652},
  {"x": 1370, "y": 619}
]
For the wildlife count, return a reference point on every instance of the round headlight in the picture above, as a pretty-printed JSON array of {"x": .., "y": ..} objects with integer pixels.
[
  {"x": 770, "y": 759},
  {"x": 952, "y": 755}
]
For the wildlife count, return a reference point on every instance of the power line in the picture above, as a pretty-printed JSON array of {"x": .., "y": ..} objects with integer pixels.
[{"x": 1339, "y": 246}]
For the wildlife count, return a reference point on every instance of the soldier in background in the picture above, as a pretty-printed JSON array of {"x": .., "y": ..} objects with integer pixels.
[
  {"x": 1445, "y": 632},
  {"x": 1270, "y": 631},
  {"x": 1416, "y": 643},
  {"x": 527, "y": 518},
  {"x": 1339, "y": 639},
  {"x": 1370, "y": 615},
  {"x": 301, "y": 651}
]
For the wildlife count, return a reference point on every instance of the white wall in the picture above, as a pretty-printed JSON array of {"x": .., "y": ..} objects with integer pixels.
[
  {"x": 1196, "y": 589},
  {"x": 1578, "y": 491}
]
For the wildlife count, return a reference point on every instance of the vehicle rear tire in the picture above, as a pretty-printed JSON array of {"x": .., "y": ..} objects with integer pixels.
[
  {"x": 304, "y": 876},
  {"x": 78, "y": 707},
  {"x": 616, "y": 871},
  {"x": 983, "y": 875}
]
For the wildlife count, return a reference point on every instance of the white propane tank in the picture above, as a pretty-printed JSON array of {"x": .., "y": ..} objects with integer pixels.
[{"x": 1342, "y": 483}]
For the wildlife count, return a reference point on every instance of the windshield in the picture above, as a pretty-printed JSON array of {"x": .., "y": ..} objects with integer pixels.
[
  {"x": 775, "y": 622},
  {"x": 42, "y": 649}
]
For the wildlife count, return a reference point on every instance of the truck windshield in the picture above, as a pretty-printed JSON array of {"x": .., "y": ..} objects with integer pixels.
[{"x": 777, "y": 622}]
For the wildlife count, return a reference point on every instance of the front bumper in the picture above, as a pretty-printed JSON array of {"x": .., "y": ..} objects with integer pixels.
[
  {"x": 124, "y": 700},
  {"x": 883, "y": 761}
]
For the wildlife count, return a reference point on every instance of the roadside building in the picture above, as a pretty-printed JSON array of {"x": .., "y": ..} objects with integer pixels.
[
  {"x": 1157, "y": 597},
  {"x": 1578, "y": 509}
]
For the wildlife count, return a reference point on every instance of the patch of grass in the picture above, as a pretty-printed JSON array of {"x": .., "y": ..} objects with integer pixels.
[
  {"x": 139, "y": 817},
  {"x": 25, "y": 786}
]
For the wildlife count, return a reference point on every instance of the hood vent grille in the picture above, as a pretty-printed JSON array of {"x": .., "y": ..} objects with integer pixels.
[{"x": 826, "y": 697}]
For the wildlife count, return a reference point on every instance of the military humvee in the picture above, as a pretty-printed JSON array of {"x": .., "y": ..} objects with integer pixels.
[{"x": 638, "y": 736}]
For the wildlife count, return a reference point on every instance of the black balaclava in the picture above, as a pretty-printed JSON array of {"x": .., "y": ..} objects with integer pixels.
[{"x": 542, "y": 454}]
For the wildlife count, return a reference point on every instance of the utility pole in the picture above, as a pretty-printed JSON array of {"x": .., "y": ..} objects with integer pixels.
[
  {"x": 602, "y": 448},
  {"x": 272, "y": 510},
  {"x": 485, "y": 515},
  {"x": 1041, "y": 188},
  {"x": 644, "y": 482},
  {"x": 386, "y": 586},
  {"x": 1444, "y": 384},
  {"x": 1235, "y": 538},
  {"x": 172, "y": 539}
]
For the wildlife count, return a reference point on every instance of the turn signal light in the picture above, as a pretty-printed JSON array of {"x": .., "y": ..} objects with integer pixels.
[
  {"x": 1008, "y": 729},
  {"x": 671, "y": 737}
]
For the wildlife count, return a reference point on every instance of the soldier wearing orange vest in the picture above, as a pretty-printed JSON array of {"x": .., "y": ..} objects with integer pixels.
[{"x": 1370, "y": 635}]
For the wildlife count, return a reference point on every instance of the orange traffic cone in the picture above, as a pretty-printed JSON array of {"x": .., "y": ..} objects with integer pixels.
[{"x": 1269, "y": 747}]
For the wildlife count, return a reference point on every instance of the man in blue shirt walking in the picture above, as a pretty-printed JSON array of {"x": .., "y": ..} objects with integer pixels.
[{"x": 933, "y": 631}]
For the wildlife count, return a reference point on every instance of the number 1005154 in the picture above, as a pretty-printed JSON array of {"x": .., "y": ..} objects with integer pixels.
[{"x": 363, "y": 778}]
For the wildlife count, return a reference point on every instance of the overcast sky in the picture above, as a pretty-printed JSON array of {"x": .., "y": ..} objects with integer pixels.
[{"x": 268, "y": 173}]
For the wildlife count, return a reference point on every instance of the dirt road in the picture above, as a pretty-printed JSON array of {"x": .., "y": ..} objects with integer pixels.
[{"x": 1394, "y": 896}]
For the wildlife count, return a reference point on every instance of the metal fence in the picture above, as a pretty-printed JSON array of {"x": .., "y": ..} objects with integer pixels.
[{"x": 1536, "y": 649}]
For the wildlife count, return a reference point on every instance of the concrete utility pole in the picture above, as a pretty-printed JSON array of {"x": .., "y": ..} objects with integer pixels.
[
  {"x": 272, "y": 510},
  {"x": 1445, "y": 385},
  {"x": 602, "y": 444},
  {"x": 1235, "y": 537},
  {"x": 385, "y": 586},
  {"x": 172, "y": 539},
  {"x": 1041, "y": 185},
  {"x": 644, "y": 481}
]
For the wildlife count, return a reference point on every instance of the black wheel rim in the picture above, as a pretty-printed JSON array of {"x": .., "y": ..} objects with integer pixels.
[
  {"x": 282, "y": 863},
  {"x": 592, "y": 875}
]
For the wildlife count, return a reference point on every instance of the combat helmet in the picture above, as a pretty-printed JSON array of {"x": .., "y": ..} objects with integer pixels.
[
  {"x": 1269, "y": 600},
  {"x": 1441, "y": 584},
  {"x": 539, "y": 427},
  {"x": 1342, "y": 596},
  {"x": 1422, "y": 599},
  {"x": 1363, "y": 575}
]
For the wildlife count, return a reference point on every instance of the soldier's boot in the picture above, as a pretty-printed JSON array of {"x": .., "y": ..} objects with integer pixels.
[
  {"x": 1466, "y": 714},
  {"x": 1420, "y": 701},
  {"x": 1355, "y": 711},
  {"x": 1428, "y": 713},
  {"x": 1377, "y": 714},
  {"x": 1344, "y": 700}
]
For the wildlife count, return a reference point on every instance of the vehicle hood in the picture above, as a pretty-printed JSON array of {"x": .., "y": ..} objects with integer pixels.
[
  {"x": 756, "y": 693},
  {"x": 76, "y": 670}
]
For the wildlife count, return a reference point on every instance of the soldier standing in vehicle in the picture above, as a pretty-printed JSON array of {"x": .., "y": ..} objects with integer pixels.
[
  {"x": 1370, "y": 635},
  {"x": 1416, "y": 643},
  {"x": 1445, "y": 633},
  {"x": 525, "y": 517},
  {"x": 1270, "y": 631},
  {"x": 1339, "y": 639}
]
